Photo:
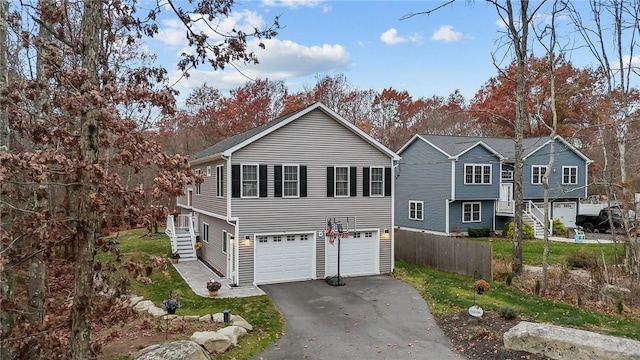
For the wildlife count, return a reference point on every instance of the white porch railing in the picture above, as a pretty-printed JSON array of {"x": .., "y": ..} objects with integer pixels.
[
  {"x": 537, "y": 215},
  {"x": 182, "y": 224},
  {"x": 505, "y": 207}
]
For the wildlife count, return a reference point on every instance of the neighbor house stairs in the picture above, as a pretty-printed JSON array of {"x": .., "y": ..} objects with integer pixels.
[{"x": 534, "y": 216}]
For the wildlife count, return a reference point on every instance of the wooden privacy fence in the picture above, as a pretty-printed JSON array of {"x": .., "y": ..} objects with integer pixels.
[{"x": 462, "y": 256}]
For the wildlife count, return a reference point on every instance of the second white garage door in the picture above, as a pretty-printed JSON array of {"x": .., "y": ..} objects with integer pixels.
[
  {"x": 359, "y": 255},
  {"x": 281, "y": 258}
]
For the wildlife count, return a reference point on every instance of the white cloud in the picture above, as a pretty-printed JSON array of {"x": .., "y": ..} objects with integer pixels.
[
  {"x": 445, "y": 33},
  {"x": 390, "y": 37},
  {"x": 280, "y": 60}
]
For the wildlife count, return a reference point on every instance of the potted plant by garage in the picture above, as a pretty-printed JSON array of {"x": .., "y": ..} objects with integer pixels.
[
  {"x": 174, "y": 257},
  {"x": 213, "y": 286},
  {"x": 480, "y": 286},
  {"x": 170, "y": 305}
]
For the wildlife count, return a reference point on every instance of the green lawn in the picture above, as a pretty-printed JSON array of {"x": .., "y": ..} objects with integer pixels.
[
  {"x": 448, "y": 293},
  {"x": 257, "y": 310},
  {"x": 532, "y": 250}
]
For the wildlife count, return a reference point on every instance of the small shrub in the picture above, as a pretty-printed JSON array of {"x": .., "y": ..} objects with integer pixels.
[
  {"x": 579, "y": 300},
  {"x": 559, "y": 229},
  {"x": 527, "y": 231},
  {"x": 509, "y": 279},
  {"x": 479, "y": 233},
  {"x": 581, "y": 259},
  {"x": 508, "y": 312},
  {"x": 619, "y": 307},
  {"x": 536, "y": 290}
]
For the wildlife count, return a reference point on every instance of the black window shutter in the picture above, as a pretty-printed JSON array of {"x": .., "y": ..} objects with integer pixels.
[
  {"x": 277, "y": 180},
  {"x": 262, "y": 178},
  {"x": 387, "y": 181},
  {"x": 329, "y": 181},
  {"x": 353, "y": 179},
  {"x": 235, "y": 181},
  {"x": 303, "y": 181},
  {"x": 365, "y": 181}
]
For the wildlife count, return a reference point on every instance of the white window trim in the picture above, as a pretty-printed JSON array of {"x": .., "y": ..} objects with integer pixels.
[
  {"x": 576, "y": 177},
  {"x": 205, "y": 232},
  {"x": 297, "y": 166},
  {"x": 471, "y": 203},
  {"x": 224, "y": 241},
  {"x": 209, "y": 170},
  {"x": 220, "y": 181},
  {"x": 482, "y": 174},
  {"x": 198, "y": 189},
  {"x": 415, "y": 202},
  {"x": 541, "y": 174},
  {"x": 335, "y": 181},
  {"x": 242, "y": 195},
  {"x": 371, "y": 194},
  {"x": 507, "y": 178}
]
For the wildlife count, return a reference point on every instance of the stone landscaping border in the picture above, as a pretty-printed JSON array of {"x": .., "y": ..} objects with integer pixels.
[{"x": 201, "y": 343}]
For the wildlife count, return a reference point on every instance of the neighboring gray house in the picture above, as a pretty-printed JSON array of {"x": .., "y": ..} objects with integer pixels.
[
  {"x": 449, "y": 184},
  {"x": 262, "y": 209}
]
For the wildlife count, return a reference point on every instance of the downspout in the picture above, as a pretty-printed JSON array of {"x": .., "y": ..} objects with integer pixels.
[
  {"x": 395, "y": 164},
  {"x": 235, "y": 222},
  {"x": 452, "y": 197}
]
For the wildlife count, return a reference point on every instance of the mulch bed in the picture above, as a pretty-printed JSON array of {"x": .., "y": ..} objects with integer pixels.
[{"x": 481, "y": 338}]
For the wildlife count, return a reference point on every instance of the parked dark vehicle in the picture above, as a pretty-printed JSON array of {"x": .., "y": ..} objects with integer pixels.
[{"x": 600, "y": 223}]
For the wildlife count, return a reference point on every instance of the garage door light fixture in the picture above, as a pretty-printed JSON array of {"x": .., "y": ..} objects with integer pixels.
[
  {"x": 247, "y": 240},
  {"x": 385, "y": 234}
]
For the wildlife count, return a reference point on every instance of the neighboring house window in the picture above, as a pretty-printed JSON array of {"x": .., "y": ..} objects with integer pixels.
[
  {"x": 290, "y": 181},
  {"x": 506, "y": 175},
  {"x": 537, "y": 172},
  {"x": 471, "y": 212},
  {"x": 415, "y": 210},
  {"x": 208, "y": 170},
  {"x": 342, "y": 181},
  {"x": 570, "y": 175},
  {"x": 198, "y": 189},
  {"x": 477, "y": 174},
  {"x": 377, "y": 181},
  {"x": 249, "y": 179},
  {"x": 262, "y": 239},
  {"x": 224, "y": 241},
  {"x": 220, "y": 181},
  {"x": 205, "y": 232}
]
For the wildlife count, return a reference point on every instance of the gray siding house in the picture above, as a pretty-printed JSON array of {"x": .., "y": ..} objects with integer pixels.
[
  {"x": 269, "y": 193},
  {"x": 449, "y": 184}
]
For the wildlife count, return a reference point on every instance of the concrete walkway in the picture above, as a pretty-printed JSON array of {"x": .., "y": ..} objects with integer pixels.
[{"x": 196, "y": 274}]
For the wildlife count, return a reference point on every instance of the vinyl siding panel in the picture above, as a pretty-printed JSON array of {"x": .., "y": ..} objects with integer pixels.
[
  {"x": 207, "y": 200},
  {"x": 212, "y": 251},
  {"x": 478, "y": 155},
  {"x": 316, "y": 141},
  {"x": 486, "y": 216},
  {"x": 563, "y": 157},
  {"x": 424, "y": 175}
]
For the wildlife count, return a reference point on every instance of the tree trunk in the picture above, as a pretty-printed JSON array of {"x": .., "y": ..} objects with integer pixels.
[
  {"x": 7, "y": 283},
  {"x": 87, "y": 216}
]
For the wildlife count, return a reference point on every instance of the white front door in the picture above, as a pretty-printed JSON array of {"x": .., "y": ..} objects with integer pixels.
[
  {"x": 506, "y": 192},
  {"x": 231, "y": 257}
]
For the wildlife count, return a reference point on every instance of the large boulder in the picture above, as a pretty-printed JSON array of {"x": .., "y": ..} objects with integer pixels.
[
  {"x": 212, "y": 341},
  {"x": 178, "y": 350},
  {"x": 233, "y": 333},
  {"x": 144, "y": 306},
  {"x": 558, "y": 342}
]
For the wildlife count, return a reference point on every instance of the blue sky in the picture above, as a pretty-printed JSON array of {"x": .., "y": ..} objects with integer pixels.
[{"x": 452, "y": 48}]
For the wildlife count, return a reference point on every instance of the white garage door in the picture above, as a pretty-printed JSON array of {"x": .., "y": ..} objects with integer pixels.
[
  {"x": 280, "y": 258},
  {"x": 359, "y": 255},
  {"x": 565, "y": 211}
]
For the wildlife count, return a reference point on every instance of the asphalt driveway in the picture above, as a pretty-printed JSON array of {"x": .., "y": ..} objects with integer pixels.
[{"x": 373, "y": 317}]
